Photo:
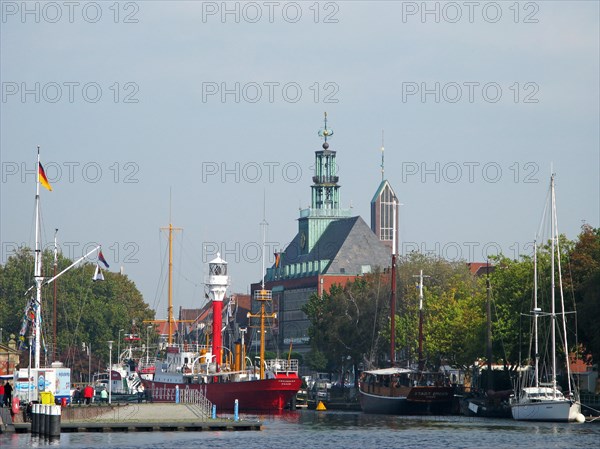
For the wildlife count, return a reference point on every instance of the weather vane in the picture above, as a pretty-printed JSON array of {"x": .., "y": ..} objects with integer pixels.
[{"x": 325, "y": 133}]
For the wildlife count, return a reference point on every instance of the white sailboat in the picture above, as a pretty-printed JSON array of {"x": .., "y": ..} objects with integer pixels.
[{"x": 545, "y": 401}]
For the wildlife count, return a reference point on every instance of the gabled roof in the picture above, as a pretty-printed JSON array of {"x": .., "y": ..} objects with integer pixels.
[
  {"x": 380, "y": 189},
  {"x": 348, "y": 243}
]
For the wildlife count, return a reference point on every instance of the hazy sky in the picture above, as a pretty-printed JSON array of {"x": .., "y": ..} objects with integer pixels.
[{"x": 221, "y": 103}]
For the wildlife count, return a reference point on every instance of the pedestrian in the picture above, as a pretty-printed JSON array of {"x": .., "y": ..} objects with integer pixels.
[
  {"x": 140, "y": 393},
  {"x": 104, "y": 396},
  {"x": 88, "y": 394},
  {"x": 8, "y": 389},
  {"x": 77, "y": 395},
  {"x": 1, "y": 394}
]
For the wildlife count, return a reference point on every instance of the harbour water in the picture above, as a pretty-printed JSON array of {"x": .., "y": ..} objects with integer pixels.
[{"x": 331, "y": 429}]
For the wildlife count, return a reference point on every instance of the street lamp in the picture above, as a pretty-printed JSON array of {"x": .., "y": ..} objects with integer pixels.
[
  {"x": 110, "y": 343},
  {"x": 148, "y": 342},
  {"x": 119, "y": 346}
]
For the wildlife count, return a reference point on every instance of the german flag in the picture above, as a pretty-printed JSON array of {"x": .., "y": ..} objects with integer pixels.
[
  {"x": 277, "y": 259},
  {"x": 42, "y": 177}
]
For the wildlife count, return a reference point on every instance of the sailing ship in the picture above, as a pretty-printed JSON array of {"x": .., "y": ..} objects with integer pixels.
[
  {"x": 405, "y": 391},
  {"x": 535, "y": 400},
  {"x": 186, "y": 375}
]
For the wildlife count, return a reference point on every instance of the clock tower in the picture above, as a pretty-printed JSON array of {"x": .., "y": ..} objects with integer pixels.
[{"x": 325, "y": 196}]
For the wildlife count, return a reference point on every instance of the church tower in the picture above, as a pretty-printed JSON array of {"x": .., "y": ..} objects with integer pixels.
[
  {"x": 325, "y": 196},
  {"x": 384, "y": 211}
]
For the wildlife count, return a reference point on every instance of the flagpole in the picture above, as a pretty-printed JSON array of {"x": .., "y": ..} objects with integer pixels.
[{"x": 38, "y": 268}]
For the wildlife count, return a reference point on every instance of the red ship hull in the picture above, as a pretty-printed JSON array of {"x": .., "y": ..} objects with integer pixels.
[{"x": 259, "y": 395}]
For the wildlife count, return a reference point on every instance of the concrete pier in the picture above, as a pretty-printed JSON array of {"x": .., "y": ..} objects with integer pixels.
[{"x": 144, "y": 418}]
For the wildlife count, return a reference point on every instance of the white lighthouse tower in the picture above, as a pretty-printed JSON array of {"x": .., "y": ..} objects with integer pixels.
[{"x": 218, "y": 281}]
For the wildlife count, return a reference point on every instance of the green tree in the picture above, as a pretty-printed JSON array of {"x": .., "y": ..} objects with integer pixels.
[
  {"x": 585, "y": 269},
  {"x": 345, "y": 320},
  {"x": 87, "y": 312}
]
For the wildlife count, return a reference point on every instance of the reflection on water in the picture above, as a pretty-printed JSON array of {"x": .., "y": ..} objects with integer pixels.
[{"x": 310, "y": 429}]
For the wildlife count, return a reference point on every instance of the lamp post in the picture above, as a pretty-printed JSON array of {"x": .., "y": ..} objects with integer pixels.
[
  {"x": 30, "y": 337},
  {"x": 147, "y": 343},
  {"x": 119, "y": 345},
  {"x": 110, "y": 343}
]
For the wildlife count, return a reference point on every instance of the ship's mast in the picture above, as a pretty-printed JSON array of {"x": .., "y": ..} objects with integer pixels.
[
  {"x": 262, "y": 296},
  {"x": 170, "y": 319},
  {"x": 553, "y": 287},
  {"x": 393, "y": 314},
  {"x": 421, "y": 358},
  {"x": 54, "y": 311},
  {"x": 38, "y": 268}
]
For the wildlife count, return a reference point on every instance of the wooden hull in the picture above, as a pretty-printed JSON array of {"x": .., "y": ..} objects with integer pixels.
[
  {"x": 254, "y": 395},
  {"x": 418, "y": 400}
]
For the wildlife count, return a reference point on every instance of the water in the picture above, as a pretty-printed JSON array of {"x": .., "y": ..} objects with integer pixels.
[{"x": 310, "y": 429}]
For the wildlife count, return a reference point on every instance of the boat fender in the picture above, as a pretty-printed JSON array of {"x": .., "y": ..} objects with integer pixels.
[{"x": 580, "y": 418}]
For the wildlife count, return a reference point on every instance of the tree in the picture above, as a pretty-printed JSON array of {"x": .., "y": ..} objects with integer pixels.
[
  {"x": 87, "y": 311},
  {"x": 345, "y": 320},
  {"x": 585, "y": 269}
]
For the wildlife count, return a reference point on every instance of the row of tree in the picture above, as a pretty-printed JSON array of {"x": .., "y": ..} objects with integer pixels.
[
  {"x": 88, "y": 313},
  {"x": 353, "y": 321}
]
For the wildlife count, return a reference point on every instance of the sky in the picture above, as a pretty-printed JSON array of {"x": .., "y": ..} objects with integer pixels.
[{"x": 206, "y": 115}]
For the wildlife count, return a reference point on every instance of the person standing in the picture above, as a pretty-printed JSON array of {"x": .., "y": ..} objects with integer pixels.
[
  {"x": 77, "y": 395},
  {"x": 88, "y": 394},
  {"x": 8, "y": 394},
  {"x": 1, "y": 394},
  {"x": 104, "y": 396}
]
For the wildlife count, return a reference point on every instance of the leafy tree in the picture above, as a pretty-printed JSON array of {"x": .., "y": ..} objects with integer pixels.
[
  {"x": 585, "y": 270},
  {"x": 87, "y": 312},
  {"x": 345, "y": 320}
]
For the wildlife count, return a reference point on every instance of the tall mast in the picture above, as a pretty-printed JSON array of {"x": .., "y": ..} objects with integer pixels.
[
  {"x": 552, "y": 287},
  {"x": 562, "y": 299},
  {"x": 393, "y": 314},
  {"x": 170, "y": 319},
  {"x": 536, "y": 312},
  {"x": 421, "y": 358},
  {"x": 490, "y": 378},
  {"x": 38, "y": 268},
  {"x": 54, "y": 310},
  {"x": 263, "y": 296}
]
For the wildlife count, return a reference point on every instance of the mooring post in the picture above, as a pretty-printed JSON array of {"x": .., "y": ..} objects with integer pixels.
[
  {"x": 54, "y": 426},
  {"x": 214, "y": 411},
  {"x": 236, "y": 416}
]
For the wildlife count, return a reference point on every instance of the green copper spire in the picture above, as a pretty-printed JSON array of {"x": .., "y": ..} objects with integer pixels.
[{"x": 325, "y": 196}]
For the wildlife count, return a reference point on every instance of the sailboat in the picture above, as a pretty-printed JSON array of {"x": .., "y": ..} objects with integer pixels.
[
  {"x": 535, "y": 400},
  {"x": 405, "y": 391}
]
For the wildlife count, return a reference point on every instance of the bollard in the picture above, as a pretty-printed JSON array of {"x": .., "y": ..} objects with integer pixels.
[
  {"x": 42, "y": 419},
  {"x": 54, "y": 424},
  {"x": 176, "y": 394},
  {"x": 214, "y": 411},
  {"x": 47, "y": 418},
  {"x": 236, "y": 416},
  {"x": 35, "y": 421}
]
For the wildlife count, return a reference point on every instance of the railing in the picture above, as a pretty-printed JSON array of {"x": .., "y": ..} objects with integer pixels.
[
  {"x": 201, "y": 406},
  {"x": 194, "y": 397},
  {"x": 311, "y": 212},
  {"x": 282, "y": 365},
  {"x": 325, "y": 179}
]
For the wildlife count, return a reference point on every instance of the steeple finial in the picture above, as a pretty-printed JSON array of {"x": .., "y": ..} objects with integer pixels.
[
  {"x": 382, "y": 164},
  {"x": 325, "y": 132}
]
